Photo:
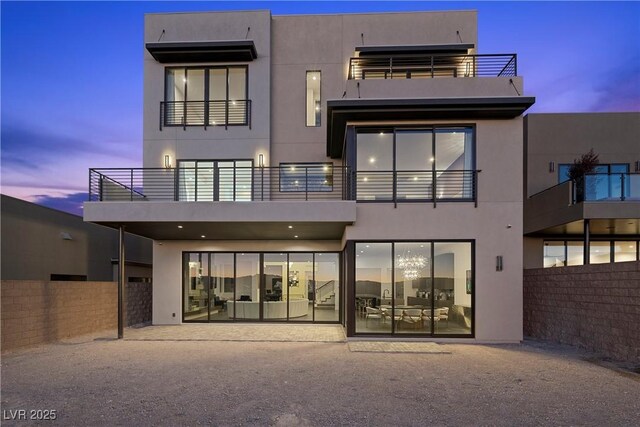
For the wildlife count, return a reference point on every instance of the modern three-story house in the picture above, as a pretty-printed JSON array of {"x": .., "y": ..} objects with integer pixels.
[{"x": 362, "y": 169}]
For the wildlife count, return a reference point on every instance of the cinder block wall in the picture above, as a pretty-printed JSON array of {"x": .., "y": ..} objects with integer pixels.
[
  {"x": 596, "y": 307},
  {"x": 39, "y": 312}
]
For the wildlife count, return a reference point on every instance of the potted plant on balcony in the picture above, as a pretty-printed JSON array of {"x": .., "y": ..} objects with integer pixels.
[{"x": 585, "y": 164}]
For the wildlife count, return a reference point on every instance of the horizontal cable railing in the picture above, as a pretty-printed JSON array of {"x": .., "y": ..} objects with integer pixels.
[
  {"x": 607, "y": 187},
  {"x": 416, "y": 185},
  {"x": 315, "y": 182},
  {"x": 432, "y": 66},
  {"x": 206, "y": 113}
]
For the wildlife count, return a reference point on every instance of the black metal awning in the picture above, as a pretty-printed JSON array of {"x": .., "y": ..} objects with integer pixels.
[
  {"x": 422, "y": 49},
  {"x": 198, "y": 52},
  {"x": 342, "y": 111}
]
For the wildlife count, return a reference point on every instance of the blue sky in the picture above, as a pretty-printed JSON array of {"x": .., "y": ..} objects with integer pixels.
[{"x": 72, "y": 74}]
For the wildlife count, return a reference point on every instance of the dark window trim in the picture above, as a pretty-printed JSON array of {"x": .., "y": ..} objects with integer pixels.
[
  {"x": 185, "y": 257},
  {"x": 394, "y": 129},
  {"x": 206, "y": 92},
  {"x": 284, "y": 166},
  {"x": 611, "y": 241},
  {"x": 351, "y": 302},
  {"x": 306, "y": 99}
]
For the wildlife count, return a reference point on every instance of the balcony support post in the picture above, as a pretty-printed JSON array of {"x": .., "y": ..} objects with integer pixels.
[
  {"x": 587, "y": 242},
  {"x": 121, "y": 279}
]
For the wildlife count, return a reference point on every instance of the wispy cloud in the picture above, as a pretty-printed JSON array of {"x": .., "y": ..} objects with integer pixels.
[{"x": 71, "y": 203}]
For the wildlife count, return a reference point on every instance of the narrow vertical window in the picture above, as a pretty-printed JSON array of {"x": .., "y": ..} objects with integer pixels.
[{"x": 313, "y": 109}]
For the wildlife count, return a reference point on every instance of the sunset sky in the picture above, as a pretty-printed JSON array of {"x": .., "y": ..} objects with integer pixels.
[{"x": 72, "y": 75}]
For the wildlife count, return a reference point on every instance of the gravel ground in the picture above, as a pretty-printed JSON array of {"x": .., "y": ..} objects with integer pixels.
[{"x": 300, "y": 383}]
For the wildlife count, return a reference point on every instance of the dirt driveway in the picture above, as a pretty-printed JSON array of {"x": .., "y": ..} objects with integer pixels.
[{"x": 168, "y": 382}]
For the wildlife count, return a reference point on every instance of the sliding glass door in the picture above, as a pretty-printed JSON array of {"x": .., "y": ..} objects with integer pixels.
[
  {"x": 414, "y": 288},
  {"x": 286, "y": 286},
  {"x": 215, "y": 180}
]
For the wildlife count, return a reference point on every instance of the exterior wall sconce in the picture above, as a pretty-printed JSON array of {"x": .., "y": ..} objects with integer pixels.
[
  {"x": 552, "y": 166},
  {"x": 499, "y": 263},
  {"x": 167, "y": 161},
  {"x": 261, "y": 160},
  {"x": 637, "y": 165}
]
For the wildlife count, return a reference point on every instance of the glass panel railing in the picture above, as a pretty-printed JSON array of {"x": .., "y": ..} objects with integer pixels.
[{"x": 608, "y": 187}]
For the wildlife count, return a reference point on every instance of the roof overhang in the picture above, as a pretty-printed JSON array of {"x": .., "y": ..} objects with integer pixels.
[
  {"x": 343, "y": 111},
  {"x": 425, "y": 49},
  {"x": 207, "y": 51}
]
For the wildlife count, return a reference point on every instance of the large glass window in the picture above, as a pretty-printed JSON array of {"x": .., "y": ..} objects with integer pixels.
[
  {"x": 374, "y": 165},
  {"x": 221, "y": 285},
  {"x": 625, "y": 251},
  {"x": 326, "y": 292},
  {"x": 415, "y": 164},
  {"x": 414, "y": 288},
  {"x": 211, "y": 96},
  {"x": 554, "y": 254},
  {"x": 373, "y": 287},
  {"x": 306, "y": 177},
  {"x": 313, "y": 107},
  {"x": 299, "y": 287},
  {"x": 560, "y": 253}
]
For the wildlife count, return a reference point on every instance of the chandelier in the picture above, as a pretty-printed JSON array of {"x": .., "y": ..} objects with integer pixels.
[{"x": 411, "y": 266}]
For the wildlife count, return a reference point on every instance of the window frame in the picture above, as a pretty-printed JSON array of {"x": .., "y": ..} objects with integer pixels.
[
  {"x": 394, "y": 129},
  {"x": 306, "y": 99},
  {"x": 216, "y": 178},
  {"x": 206, "y": 100}
]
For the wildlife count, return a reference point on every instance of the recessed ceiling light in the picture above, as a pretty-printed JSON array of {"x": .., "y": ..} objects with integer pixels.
[
  {"x": 367, "y": 246},
  {"x": 179, "y": 226},
  {"x": 203, "y": 236},
  {"x": 361, "y": 252},
  {"x": 314, "y": 77},
  {"x": 381, "y": 133},
  {"x": 291, "y": 226},
  {"x": 432, "y": 159},
  {"x": 372, "y": 160},
  {"x": 296, "y": 236},
  {"x": 365, "y": 179}
]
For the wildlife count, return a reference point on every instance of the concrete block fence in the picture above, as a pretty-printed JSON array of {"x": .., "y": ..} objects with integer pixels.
[
  {"x": 596, "y": 307},
  {"x": 39, "y": 312}
]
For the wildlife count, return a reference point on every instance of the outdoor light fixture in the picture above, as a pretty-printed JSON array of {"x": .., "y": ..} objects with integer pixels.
[
  {"x": 65, "y": 236},
  {"x": 167, "y": 161},
  {"x": 499, "y": 263},
  {"x": 261, "y": 160},
  {"x": 637, "y": 165},
  {"x": 552, "y": 166}
]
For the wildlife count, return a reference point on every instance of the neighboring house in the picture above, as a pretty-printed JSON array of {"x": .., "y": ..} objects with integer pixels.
[
  {"x": 359, "y": 169},
  {"x": 597, "y": 219},
  {"x": 40, "y": 243}
]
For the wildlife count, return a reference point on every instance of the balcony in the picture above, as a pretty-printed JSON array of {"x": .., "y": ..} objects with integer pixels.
[
  {"x": 611, "y": 202},
  {"x": 205, "y": 113},
  {"x": 409, "y": 66},
  {"x": 220, "y": 184},
  {"x": 607, "y": 187},
  {"x": 307, "y": 183}
]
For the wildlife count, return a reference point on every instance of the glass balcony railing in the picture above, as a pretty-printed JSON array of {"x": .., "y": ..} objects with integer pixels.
[{"x": 607, "y": 187}]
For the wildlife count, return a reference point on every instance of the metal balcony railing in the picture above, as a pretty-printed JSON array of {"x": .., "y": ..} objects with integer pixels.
[
  {"x": 607, "y": 187},
  {"x": 206, "y": 113},
  {"x": 220, "y": 184},
  {"x": 299, "y": 182},
  {"x": 417, "y": 186},
  {"x": 432, "y": 66}
]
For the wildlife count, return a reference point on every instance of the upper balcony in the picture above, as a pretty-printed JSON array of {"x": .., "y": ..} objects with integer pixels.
[
  {"x": 415, "y": 66},
  {"x": 433, "y": 71},
  {"x": 610, "y": 201}
]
